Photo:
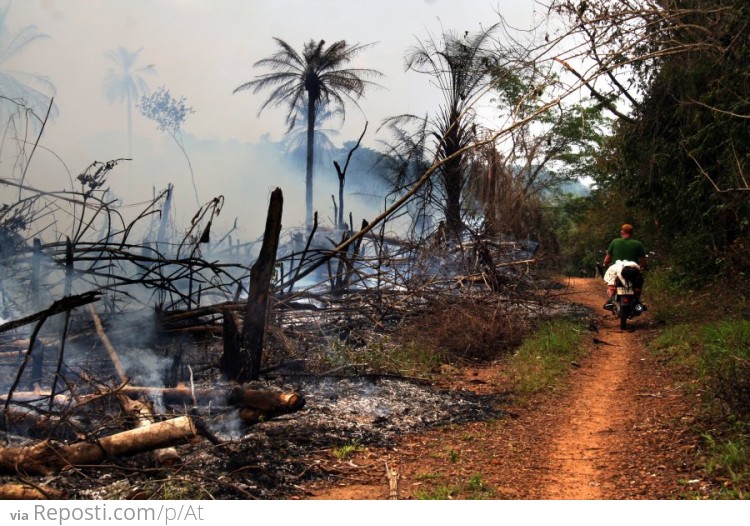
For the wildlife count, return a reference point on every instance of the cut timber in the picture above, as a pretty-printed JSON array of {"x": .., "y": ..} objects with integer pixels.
[
  {"x": 48, "y": 457},
  {"x": 265, "y": 400},
  {"x": 284, "y": 404},
  {"x": 143, "y": 415},
  {"x": 25, "y": 492},
  {"x": 238, "y": 397}
]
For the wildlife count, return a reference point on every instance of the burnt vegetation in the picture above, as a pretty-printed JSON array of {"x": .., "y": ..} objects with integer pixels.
[
  {"x": 130, "y": 349},
  {"x": 139, "y": 359}
]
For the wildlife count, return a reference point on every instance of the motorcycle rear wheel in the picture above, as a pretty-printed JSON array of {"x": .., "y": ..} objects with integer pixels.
[{"x": 624, "y": 311}]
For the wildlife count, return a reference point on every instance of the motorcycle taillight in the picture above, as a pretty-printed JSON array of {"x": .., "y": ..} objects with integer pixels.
[{"x": 625, "y": 299}]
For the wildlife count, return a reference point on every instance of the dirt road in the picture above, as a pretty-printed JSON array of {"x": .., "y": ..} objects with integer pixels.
[
  {"x": 618, "y": 428},
  {"x": 599, "y": 417}
]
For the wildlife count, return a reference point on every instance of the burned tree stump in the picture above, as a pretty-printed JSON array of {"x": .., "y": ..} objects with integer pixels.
[
  {"x": 232, "y": 342},
  {"x": 245, "y": 365}
]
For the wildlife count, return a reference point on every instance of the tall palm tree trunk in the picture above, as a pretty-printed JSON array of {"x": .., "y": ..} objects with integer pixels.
[
  {"x": 130, "y": 128},
  {"x": 452, "y": 180},
  {"x": 453, "y": 174},
  {"x": 310, "y": 156}
]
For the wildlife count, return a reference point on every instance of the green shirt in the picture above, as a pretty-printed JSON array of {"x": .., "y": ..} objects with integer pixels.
[{"x": 622, "y": 249}]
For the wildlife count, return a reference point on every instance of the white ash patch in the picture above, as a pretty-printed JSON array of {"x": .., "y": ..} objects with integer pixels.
[{"x": 374, "y": 410}]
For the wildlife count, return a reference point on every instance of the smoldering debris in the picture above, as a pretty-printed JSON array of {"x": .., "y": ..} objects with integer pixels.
[
  {"x": 374, "y": 410},
  {"x": 161, "y": 314}
]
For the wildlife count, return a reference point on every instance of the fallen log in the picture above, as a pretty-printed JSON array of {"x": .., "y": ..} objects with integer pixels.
[
  {"x": 48, "y": 457},
  {"x": 238, "y": 397},
  {"x": 268, "y": 401},
  {"x": 26, "y": 492},
  {"x": 143, "y": 415}
]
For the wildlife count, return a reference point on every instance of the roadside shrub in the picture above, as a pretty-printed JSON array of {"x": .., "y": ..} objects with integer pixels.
[
  {"x": 726, "y": 364},
  {"x": 674, "y": 298},
  {"x": 719, "y": 353},
  {"x": 466, "y": 329}
]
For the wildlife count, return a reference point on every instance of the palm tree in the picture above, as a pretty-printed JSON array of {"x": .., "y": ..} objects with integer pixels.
[
  {"x": 317, "y": 75},
  {"x": 125, "y": 83},
  {"x": 20, "y": 90},
  {"x": 296, "y": 141},
  {"x": 461, "y": 67}
]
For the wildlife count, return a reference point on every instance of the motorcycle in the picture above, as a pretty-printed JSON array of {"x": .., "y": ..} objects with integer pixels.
[{"x": 625, "y": 305}]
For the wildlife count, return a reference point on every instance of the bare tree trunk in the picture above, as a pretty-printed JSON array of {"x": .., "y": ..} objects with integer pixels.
[
  {"x": 261, "y": 274},
  {"x": 66, "y": 324},
  {"x": 310, "y": 157},
  {"x": 232, "y": 354},
  {"x": 246, "y": 366},
  {"x": 342, "y": 180},
  {"x": 162, "y": 233},
  {"x": 37, "y": 363}
]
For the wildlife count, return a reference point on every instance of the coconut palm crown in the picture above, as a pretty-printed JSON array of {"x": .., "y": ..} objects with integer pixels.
[{"x": 317, "y": 75}]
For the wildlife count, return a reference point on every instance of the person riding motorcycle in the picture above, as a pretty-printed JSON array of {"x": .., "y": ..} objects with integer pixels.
[{"x": 628, "y": 255}]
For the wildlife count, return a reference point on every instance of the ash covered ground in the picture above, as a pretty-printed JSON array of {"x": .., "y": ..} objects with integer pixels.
[{"x": 271, "y": 459}]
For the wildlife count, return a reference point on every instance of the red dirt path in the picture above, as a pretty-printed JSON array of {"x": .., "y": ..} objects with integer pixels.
[{"x": 617, "y": 428}]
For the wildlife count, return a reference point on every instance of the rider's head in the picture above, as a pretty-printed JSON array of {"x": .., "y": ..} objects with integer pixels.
[{"x": 626, "y": 230}]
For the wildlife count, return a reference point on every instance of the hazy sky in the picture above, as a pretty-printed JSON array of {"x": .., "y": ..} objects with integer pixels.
[{"x": 203, "y": 49}]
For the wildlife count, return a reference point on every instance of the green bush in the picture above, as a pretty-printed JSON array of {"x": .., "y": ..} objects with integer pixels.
[
  {"x": 720, "y": 354},
  {"x": 726, "y": 364}
]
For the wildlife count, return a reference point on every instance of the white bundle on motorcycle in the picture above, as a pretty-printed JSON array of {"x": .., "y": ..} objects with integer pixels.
[{"x": 615, "y": 271}]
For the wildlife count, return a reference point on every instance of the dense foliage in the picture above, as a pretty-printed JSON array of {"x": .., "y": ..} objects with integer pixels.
[{"x": 682, "y": 161}]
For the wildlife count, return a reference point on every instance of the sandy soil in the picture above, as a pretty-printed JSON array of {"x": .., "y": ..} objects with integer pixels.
[{"x": 617, "y": 428}]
